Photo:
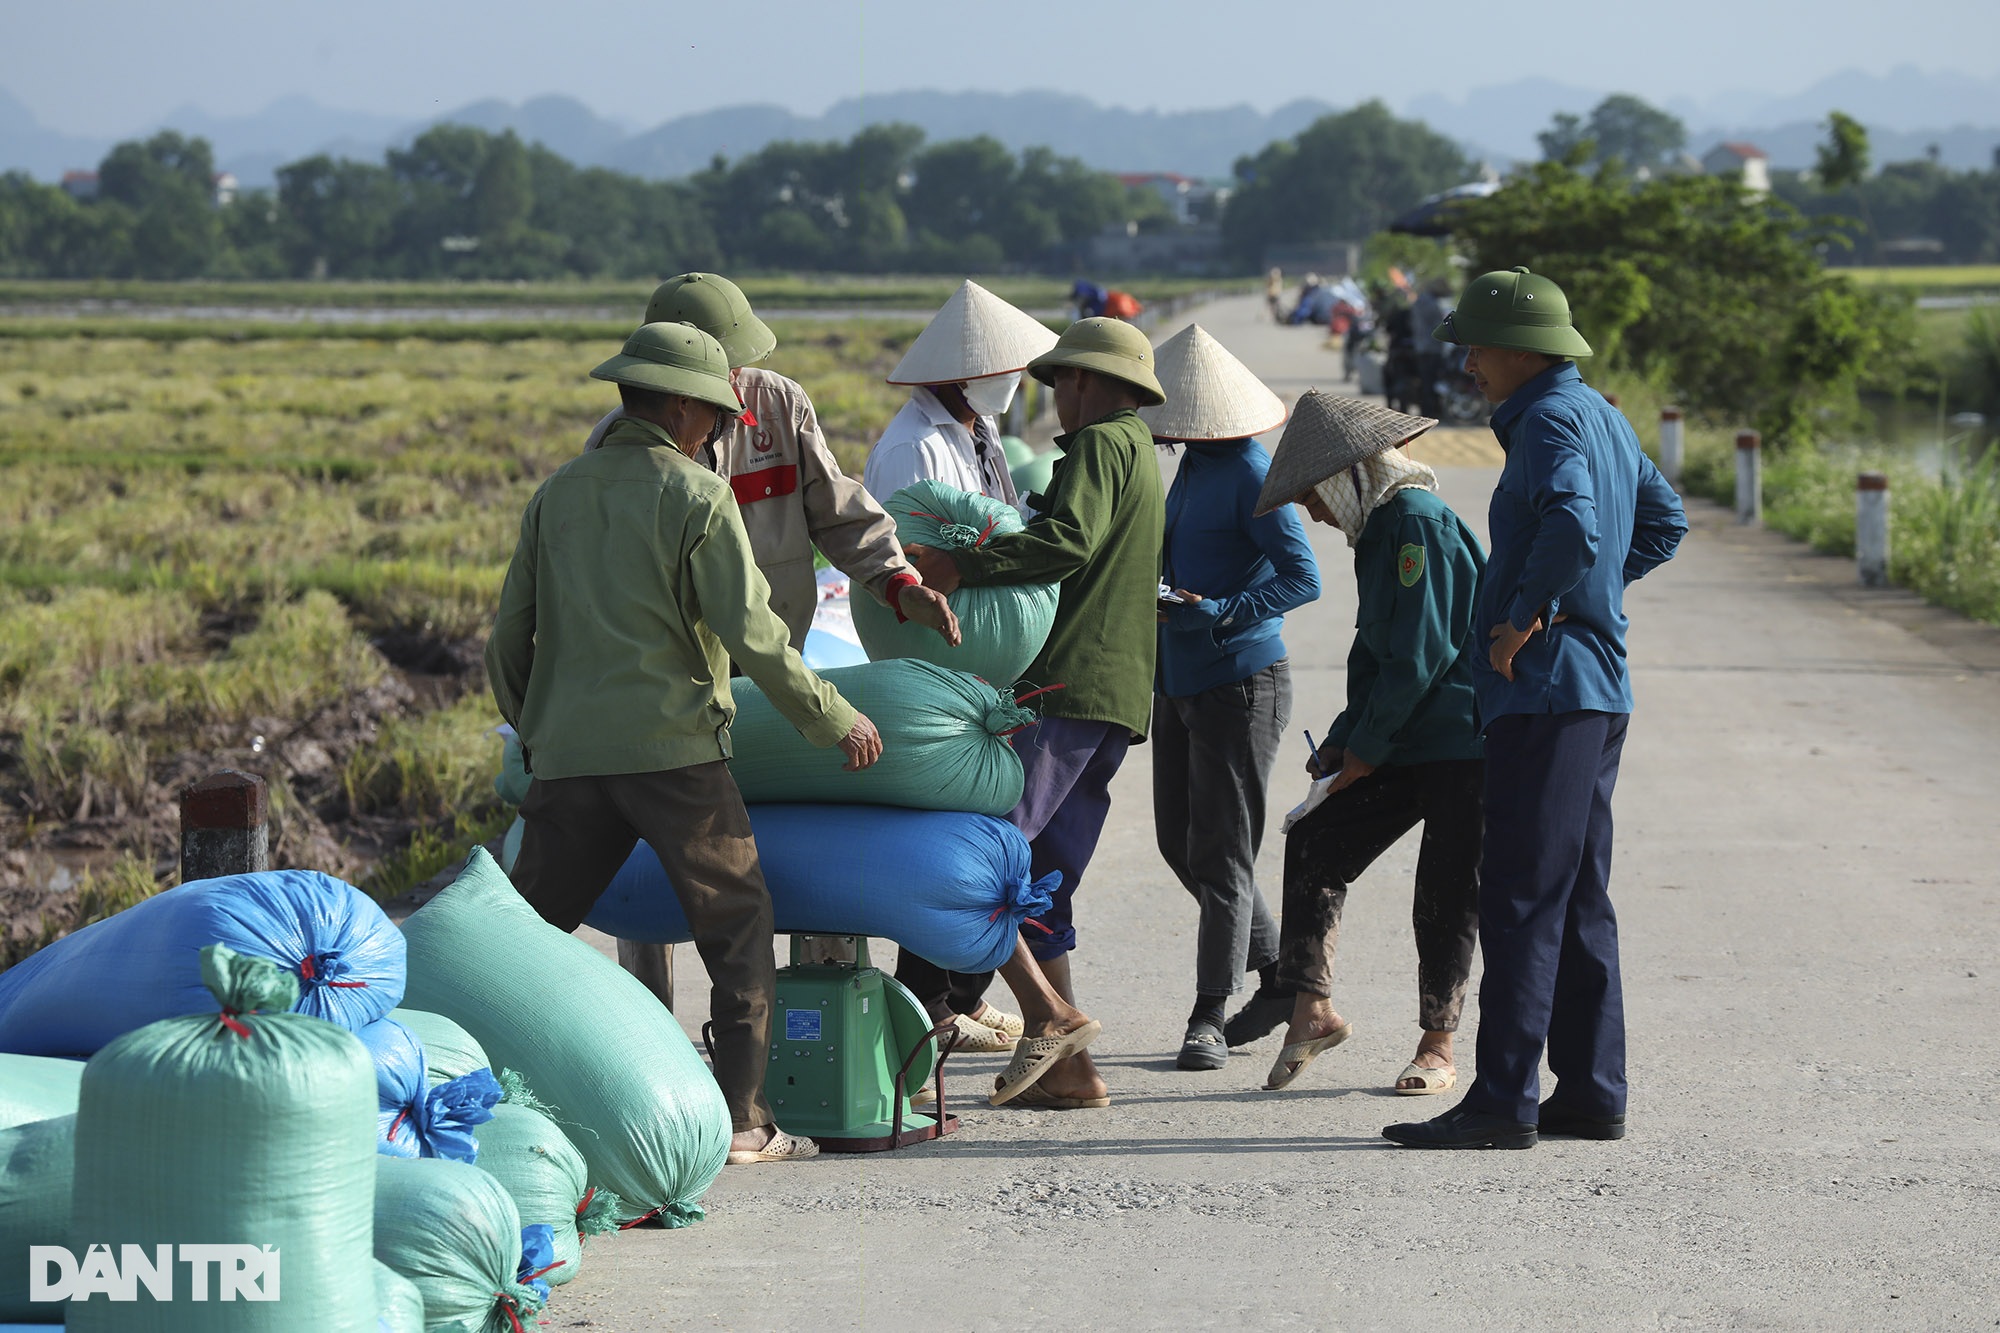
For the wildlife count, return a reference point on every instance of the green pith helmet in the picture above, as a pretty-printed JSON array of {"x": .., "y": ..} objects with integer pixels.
[
  {"x": 1109, "y": 347},
  {"x": 718, "y": 307},
  {"x": 674, "y": 358},
  {"x": 1515, "y": 309}
]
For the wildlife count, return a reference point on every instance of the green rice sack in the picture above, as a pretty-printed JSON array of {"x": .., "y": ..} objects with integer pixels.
[
  {"x": 524, "y": 1148},
  {"x": 35, "y": 1087},
  {"x": 944, "y": 743},
  {"x": 37, "y": 1165},
  {"x": 453, "y": 1231},
  {"x": 1004, "y": 625},
  {"x": 252, "y": 1127},
  {"x": 449, "y": 1050},
  {"x": 587, "y": 1037},
  {"x": 399, "y": 1305}
]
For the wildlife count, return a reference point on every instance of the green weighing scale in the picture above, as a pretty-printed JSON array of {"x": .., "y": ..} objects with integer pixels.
[{"x": 848, "y": 1044}]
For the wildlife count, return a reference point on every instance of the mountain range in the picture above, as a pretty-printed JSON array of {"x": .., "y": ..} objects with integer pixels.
[{"x": 1907, "y": 111}]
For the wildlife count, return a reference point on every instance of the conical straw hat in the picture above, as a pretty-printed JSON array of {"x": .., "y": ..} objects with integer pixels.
[
  {"x": 1210, "y": 394},
  {"x": 1327, "y": 435},
  {"x": 973, "y": 335}
]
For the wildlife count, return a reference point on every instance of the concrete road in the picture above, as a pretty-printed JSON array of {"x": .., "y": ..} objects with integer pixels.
[{"x": 1806, "y": 875}]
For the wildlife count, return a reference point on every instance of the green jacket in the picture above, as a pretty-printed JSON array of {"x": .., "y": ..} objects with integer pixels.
[
  {"x": 1409, "y": 674},
  {"x": 1098, "y": 534},
  {"x": 631, "y": 589}
]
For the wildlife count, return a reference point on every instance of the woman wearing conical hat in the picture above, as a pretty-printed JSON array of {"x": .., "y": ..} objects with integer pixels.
[
  {"x": 1223, "y": 694},
  {"x": 1405, "y": 750},
  {"x": 962, "y": 371}
]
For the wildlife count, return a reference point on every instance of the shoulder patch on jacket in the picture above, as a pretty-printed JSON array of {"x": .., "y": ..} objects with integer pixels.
[{"x": 1410, "y": 564}]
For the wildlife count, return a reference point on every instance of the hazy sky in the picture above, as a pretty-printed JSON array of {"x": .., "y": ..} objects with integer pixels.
[{"x": 107, "y": 66}]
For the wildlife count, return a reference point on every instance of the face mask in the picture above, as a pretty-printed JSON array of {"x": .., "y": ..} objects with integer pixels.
[{"x": 991, "y": 395}]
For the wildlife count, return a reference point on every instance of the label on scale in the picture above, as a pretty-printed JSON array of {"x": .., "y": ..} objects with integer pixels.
[{"x": 802, "y": 1024}]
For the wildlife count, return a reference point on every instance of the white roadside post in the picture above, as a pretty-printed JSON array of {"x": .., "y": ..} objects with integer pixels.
[
  {"x": 1871, "y": 528},
  {"x": 1673, "y": 445},
  {"x": 1749, "y": 476}
]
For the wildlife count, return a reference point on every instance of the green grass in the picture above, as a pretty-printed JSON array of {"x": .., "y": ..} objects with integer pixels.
[{"x": 1939, "y": 279}]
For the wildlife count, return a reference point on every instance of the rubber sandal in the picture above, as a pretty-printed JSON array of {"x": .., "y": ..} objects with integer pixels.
[
  {"x": 1202, "y": 1048},
  {"x": 924, "y": 1096},
  {"x": 1034, "y": 1056},
  {"x": 976, "y": 1036},
  {"x": 783, "y": 1147},
  {"x": 1035, "y": 1099},
  {"x": 1292, "y": 1061},
  {"x": 1000, "y": 1020},
  {"x": 1433, "y": 1080}
]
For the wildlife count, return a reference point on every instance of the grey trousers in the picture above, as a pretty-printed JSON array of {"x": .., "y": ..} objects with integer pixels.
[
  {"x": 1212, "y": 758},
  {"x": 579, "y": 832}
]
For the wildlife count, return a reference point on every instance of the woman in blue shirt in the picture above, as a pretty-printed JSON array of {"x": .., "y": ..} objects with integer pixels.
[{"x": 1223, "y": 695}]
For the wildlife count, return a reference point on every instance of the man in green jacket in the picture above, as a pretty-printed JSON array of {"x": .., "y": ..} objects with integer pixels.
[
  {"x": 1097, "y": 533},
  {"x": 631, "y": 590}
]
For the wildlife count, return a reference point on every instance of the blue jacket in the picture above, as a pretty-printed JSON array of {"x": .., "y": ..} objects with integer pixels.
[
  {"x": 1580, "y": 512},
  {"x": 1248, "y": 571}
]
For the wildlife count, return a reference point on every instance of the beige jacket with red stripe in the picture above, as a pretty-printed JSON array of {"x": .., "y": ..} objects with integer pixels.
[{"x": 793, "y": 497}]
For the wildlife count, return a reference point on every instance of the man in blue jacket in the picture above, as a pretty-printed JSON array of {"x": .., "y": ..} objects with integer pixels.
[{"x": 1580, "y": 512}]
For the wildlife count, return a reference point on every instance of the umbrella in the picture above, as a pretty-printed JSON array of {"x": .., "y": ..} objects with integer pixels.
[{"x": 1432, "y": 217}]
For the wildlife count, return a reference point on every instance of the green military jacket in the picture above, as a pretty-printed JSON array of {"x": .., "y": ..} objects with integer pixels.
[
  {"x": 1097, "y": 532},
  {"x": 631, "y": 589},
  {"x": 1409, "y": 673}
]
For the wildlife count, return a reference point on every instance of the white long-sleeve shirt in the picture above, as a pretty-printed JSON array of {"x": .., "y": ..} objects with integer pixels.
[{"x": 925, "y": 442}]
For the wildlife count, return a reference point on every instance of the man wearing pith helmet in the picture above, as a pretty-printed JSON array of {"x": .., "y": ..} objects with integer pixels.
[
  {"x": 631, "y": 590},
  {"x": 792, "y": 493},
  {"x": 1098, "y": 535},
  {"x": 1579, "y": 513}
]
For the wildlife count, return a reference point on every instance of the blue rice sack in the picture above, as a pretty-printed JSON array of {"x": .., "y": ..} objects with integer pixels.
[
  {"x": 144, "y": 964},
  {"x": 944, "y": 743},
  {"x": 1003, "y": 625},
  {"x": 36, "y": 1087},
  {"x": 449, "y": 1050},
  {"x": 419, "y": 1118},
  {"x": 953, "y": 888},
  {"x": 634, "y": 1097}
]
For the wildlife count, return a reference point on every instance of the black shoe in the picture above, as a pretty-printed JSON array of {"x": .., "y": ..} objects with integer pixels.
[
  {"x": 1202, "y": 1048},
  {"x": 1560, "y": 1121},
  {"x": 1460, "y": 1128},
  {"x": 1262, "y": 1014}
]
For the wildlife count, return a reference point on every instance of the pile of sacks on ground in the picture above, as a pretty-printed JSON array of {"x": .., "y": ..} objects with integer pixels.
[
  {"x": 405, "y": 1130},
  {"x": 422, "y": 1126},
  {"x": 913, "y": 849}
]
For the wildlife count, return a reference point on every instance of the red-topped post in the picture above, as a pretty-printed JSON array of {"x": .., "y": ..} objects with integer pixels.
[{"x": 224, "y": 826}]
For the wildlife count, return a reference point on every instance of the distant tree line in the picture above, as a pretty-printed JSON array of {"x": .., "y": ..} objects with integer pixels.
[{"x": 462, "y": 202}]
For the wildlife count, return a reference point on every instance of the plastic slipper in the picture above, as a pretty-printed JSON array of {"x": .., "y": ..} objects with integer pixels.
[
  {"x": 1035, "y": 1099},
  {"x": 1000, "y": 1020},
  {"x": 783, "y": 1147},
  {"x": 1033, "y": 1057},
  {"x": 1291, "y": 1061},
  {"x": 976, "y": 1036},
  {"x": 1433, "y": 1080}
]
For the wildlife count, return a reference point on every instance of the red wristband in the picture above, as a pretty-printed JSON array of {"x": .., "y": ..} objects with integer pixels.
[{"x": 893, "y": 593}]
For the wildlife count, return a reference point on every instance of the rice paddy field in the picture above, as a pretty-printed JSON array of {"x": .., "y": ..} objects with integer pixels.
[{"x": 278, "y": 550}]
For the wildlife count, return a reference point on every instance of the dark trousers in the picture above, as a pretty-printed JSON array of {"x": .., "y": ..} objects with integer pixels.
[
  {"x": 1546, "y": 929},
  {"x": 579, "y": 832},
  {"x": 1212, "y": 758},
  {"x": 1067, "y": 767},
  {"x": 1328, "y": 849}
]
